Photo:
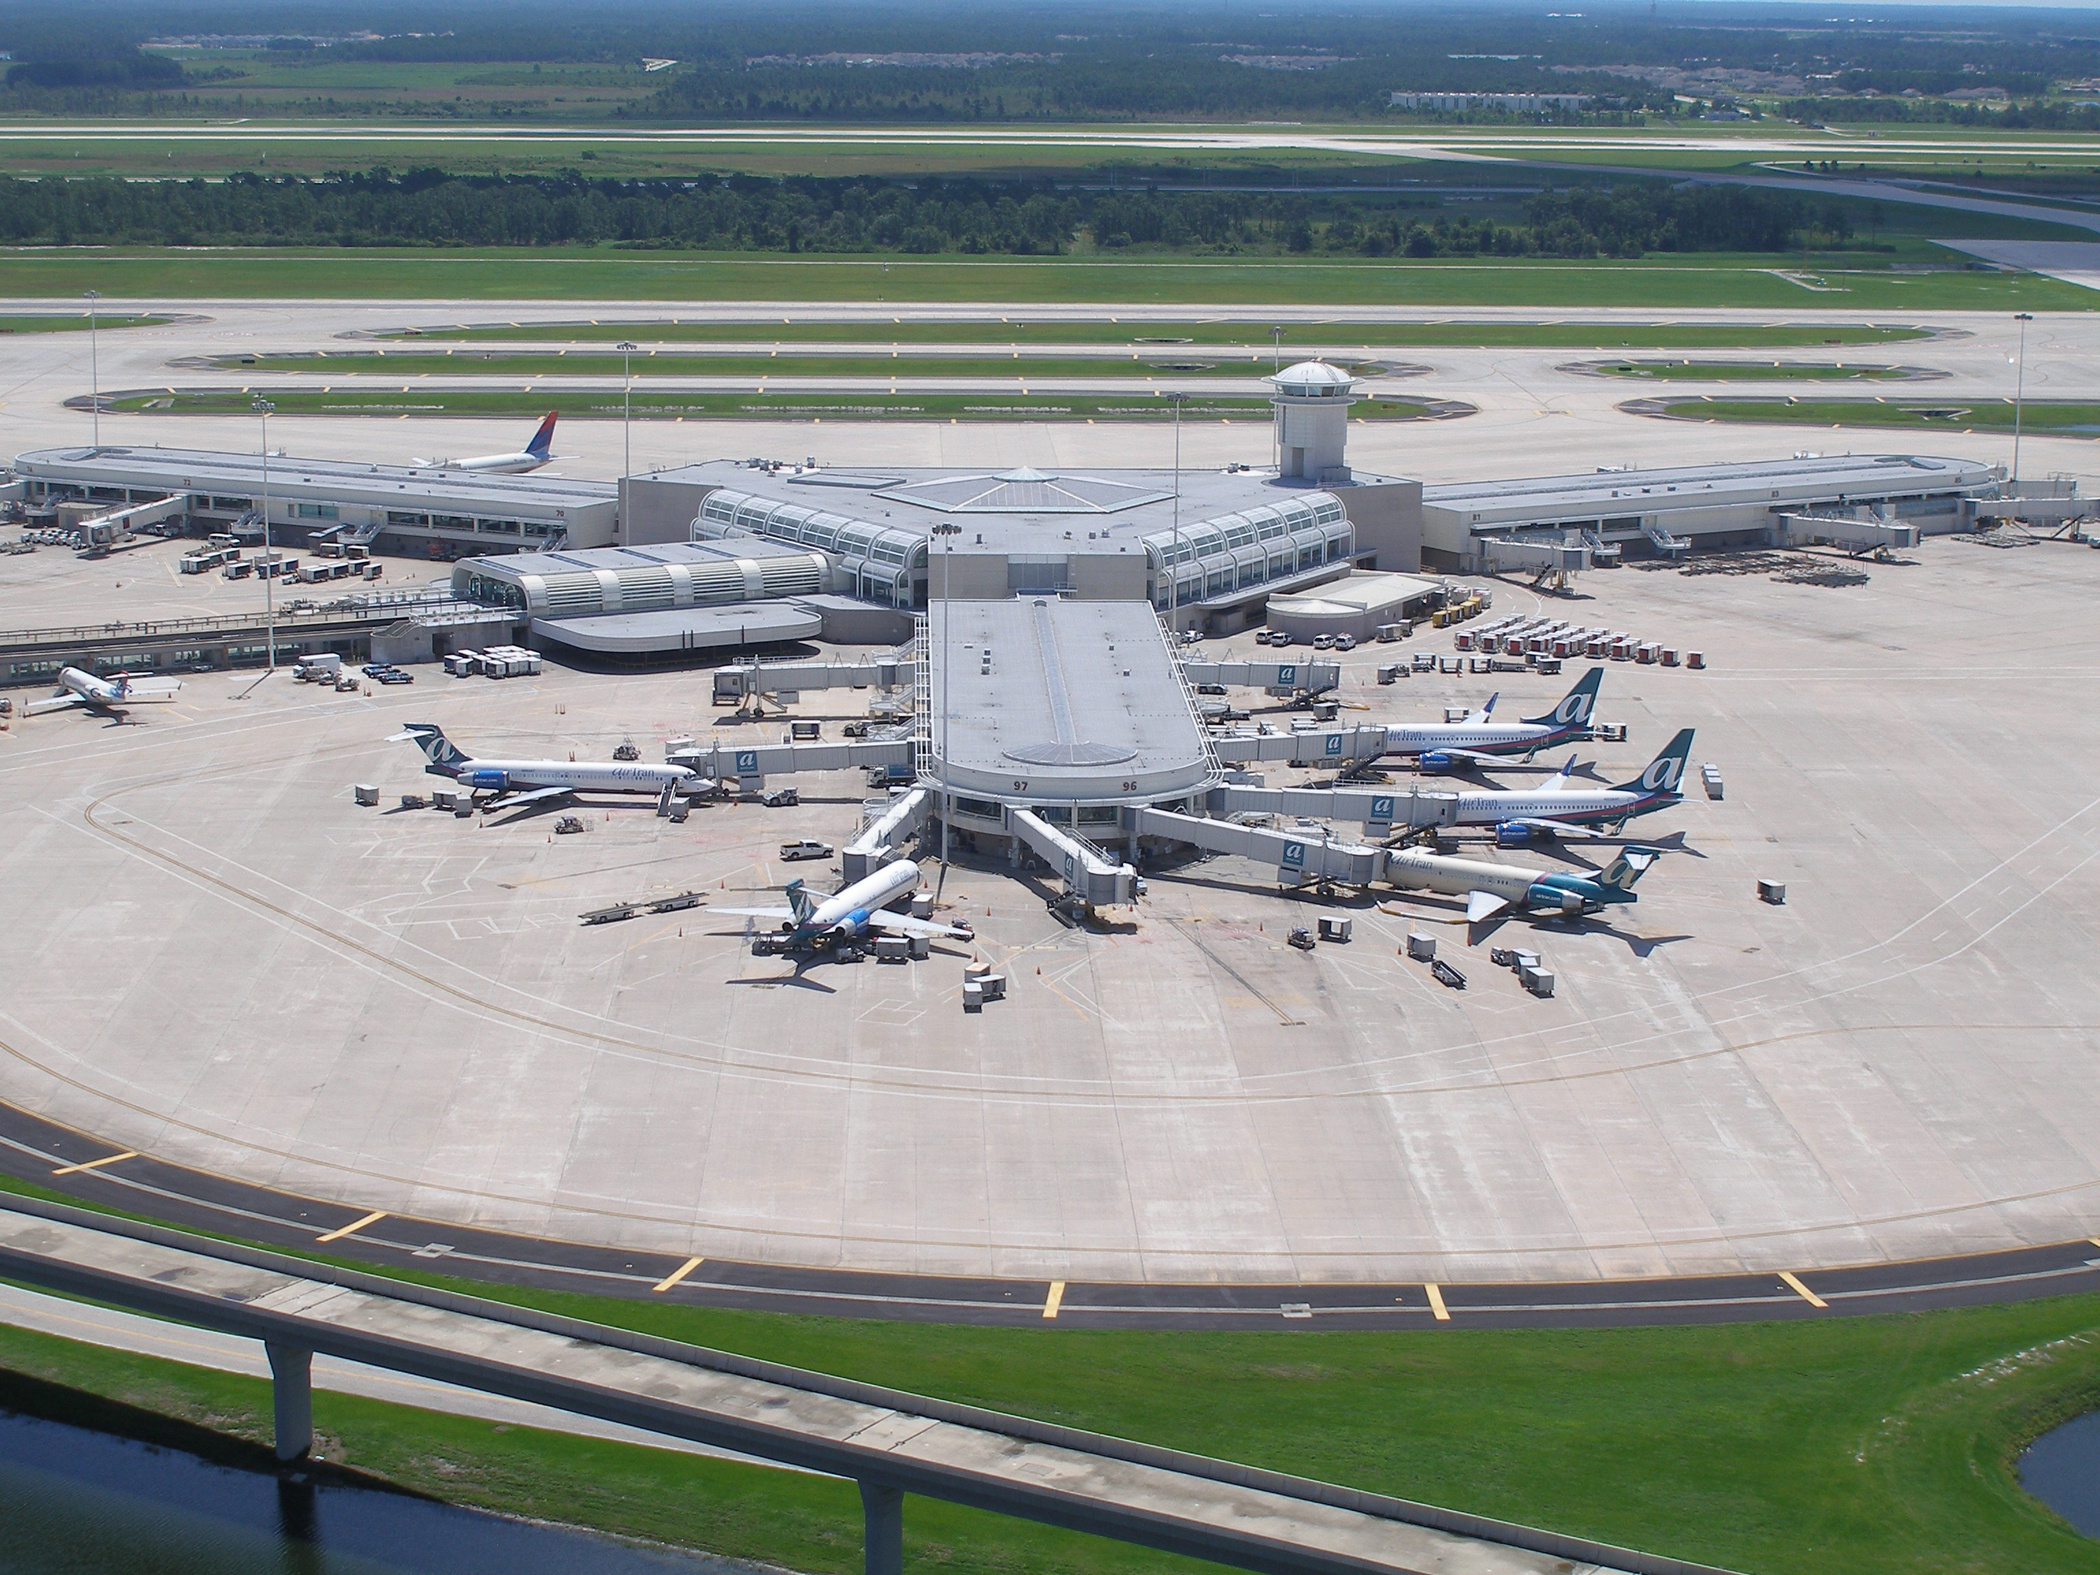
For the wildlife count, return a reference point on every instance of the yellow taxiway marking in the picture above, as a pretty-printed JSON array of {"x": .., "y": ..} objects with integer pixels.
[
  {"x": 354, "y": 1226},
  {"x": 1791, "y": 1283},
  {"x": 678, "y": 1274},
  {"x": 1436, "y": 1303},
  {"x": 96, "y": 1164},
  {"x": 1055, "y": 1299}
]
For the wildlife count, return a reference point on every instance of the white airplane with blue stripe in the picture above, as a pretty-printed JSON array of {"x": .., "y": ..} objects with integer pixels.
[
  {"x": 1480, "y": 739},
  {"x": 1493, "y": 889},
  {"x": 518, "y": 782},
  {"x": 811, "y": 923},
  {"x": 1564, "y": 807}
]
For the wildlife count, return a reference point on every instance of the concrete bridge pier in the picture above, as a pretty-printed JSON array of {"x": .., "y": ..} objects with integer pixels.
[
  {"x": 292, "y": 1391},
  {"x": 882, "y": 1512}
]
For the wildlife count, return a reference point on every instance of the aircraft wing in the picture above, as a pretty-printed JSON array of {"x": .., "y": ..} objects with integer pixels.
[
  {"x": 536, "y": 796},
  {"x": 776, "y": 914},
  {"x": 149, "y": 690},
  {"x": 1557, "y": 828},
  {"x": 1483, "y": 905},
  {"x": 53, "y": 703},
  {"x": 904, "y": 924}
]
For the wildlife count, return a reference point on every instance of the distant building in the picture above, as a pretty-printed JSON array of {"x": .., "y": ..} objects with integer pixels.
[{"x": 1515, "y": 103}]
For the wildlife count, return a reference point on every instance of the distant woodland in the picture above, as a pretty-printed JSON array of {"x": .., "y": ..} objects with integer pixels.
[{"x": 864, "y": 215}]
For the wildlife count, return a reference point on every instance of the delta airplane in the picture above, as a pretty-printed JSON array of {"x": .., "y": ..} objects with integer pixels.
[
  {"x": 517, "y": 782},
  {"x": 1492, "y": 889},
  {"x": 810, "y": 923},
  {"x": 535, "y": 454},
  {"x": 103, "y": 695},
  {"x": 1564, "y": 807},
  {"x": 1438, "y": 746}
]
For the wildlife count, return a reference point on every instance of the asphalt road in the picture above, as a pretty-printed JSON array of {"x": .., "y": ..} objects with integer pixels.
[{"x": 90, "y": 1171}]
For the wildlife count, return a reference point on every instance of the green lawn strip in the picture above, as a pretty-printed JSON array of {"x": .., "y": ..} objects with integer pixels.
[
  {"x": 1864, "y": 1444},
  {"x": 780, "y": 1517},
  {"x": 531, "y": 363},
  {"x": 656, "y": 405},
  {"x": 2063, "y": 419},
  {"x": 1299, "y": 339},
  {"x": 23, "y": 323},
  {"x": 1755, "y": 283},
  {"x": 1749, "y": 372}
]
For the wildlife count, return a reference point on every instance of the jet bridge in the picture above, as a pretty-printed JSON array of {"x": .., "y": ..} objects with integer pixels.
[
  {"x": 877, "y": 843},
  {"x": 1379, "y": 813},
  {"x": 1278, "y": 677},
  {"x": 1306, "y": 747},
  {"x": 744, "y": 679},
  {"x": 750, "y": 764},
  {"x": 1091, "y": 874},
  {"x": 1298, "y": 855},
  {"x": 1856, "y": 536}
]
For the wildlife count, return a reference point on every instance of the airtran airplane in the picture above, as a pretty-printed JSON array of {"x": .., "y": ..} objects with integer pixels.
[
  {"x": 534, "y": 454},
  {"x": 1492, "y": 889},
  {"x": 518, "y": 782},
  {"x": 1438, "y": 746},
  {"x": 1561, "y": 806},
  {"x": 810, "y": 923},
  {"x": 89, "y": 693}
]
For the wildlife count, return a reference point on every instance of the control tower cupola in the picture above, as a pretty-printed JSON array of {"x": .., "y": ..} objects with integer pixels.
[{"x": 1312, "y": 401}]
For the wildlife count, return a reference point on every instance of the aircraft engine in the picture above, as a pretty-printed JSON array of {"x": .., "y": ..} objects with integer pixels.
[
  {"x": 1515, "y": 834},
  {"x": 1436, "y": 760},
  {"x": 487, "y": 781}
]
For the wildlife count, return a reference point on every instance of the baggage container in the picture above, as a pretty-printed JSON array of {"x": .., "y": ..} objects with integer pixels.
[
  {"x": 1710, "y": 774},
  {"x": 1695, "y": 660},
  {"x": 1539, "y": 981},
  {"x": 1390, "y": 674},
  {"x": 892, "y": 949},
  {"x": 1772, "y": 891},
  {"x": 365, "y": 794},
  {"x": 444, "y": 798},
  {"x": 1389, "y": 632},
  {"x": 1420, "y": 947},
  {"x": 1669, "y": 656},
  {"x": 1342, "y": 930},
  {"x": 1463, "y": 640},
  {"x": 805, "y": 732},
  {"x": 973, "y": 996}
]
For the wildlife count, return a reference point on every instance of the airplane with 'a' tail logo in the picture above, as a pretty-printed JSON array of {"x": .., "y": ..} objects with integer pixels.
[
  {"x": 1491, "y": 890},
  {"x": 103, "y": 696},
  {"x": 513, "y": 783},
  {"x": 1439, "y": 746},
  {"x": 811, "y": 923},
  {"x": 531, "y": 457},
  {"x": 1565, "y": 807}
]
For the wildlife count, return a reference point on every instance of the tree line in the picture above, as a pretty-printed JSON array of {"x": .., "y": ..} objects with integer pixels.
[{"x": 862, "y": 215}]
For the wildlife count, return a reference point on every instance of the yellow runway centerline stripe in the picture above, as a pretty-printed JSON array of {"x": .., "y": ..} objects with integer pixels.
[
  {"x": 1055, "y": 1299},
  {"x": 1436, "y": 1303},
  {"x": 354, "y": 1226},
  {"x": 678, "y": 1274},
  {"x": 96, "y": 1164},
  {"x": 1800, "y": 1290}
]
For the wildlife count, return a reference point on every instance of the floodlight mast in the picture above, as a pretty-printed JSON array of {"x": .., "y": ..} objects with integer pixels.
[
  {"x": 2019, "y": 393},
  {"x": 264, "y": 408},
  {"x": 627, "y": 348},
  {"x": 94, "y": 369},
  {"x": 1179, "y": 398},
  {"x": 948, "y": 530}
]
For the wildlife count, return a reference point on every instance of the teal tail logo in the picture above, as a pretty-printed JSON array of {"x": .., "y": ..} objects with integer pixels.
[
  {"x": 1576, "y": 705},
  {"x": 1627, "y": 869},
  {"x": 1665, "y": 773},
  {"x": 800, "y": 902},
  {"x": 437, "y": 748}
]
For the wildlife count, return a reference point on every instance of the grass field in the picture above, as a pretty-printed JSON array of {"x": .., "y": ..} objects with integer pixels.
[
  {"x": 547, "y": 363},
  {"x": 1298, "y": 338},
  {"x": 1751, "y": 283},
  {"x": 1753, "y": 371},
  {"x": 1873, "y": 1446},
  {"x": 2055, "y": 418},
  {"x": 19, "y": 323},
  {"x": 657, "y": 405}
]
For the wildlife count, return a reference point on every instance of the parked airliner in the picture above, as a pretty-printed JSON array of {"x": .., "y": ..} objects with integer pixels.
[
  {"x": 85, "y": 690},
  {"x": 1561, "y": 806},
  {"x": 1441, "y": 745},
  {"x": 517, "y": 782},
  {"x": 534, "y": 454},
  {"x": 1492, "y": 889},
  {"x": 809, "y": 923}
]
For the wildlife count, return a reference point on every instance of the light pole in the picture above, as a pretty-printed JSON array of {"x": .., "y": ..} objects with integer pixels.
[
  {"x": 264, "y": 408},
  {"x": 627, "y": 348},
  {"x": 1174, "y": 574},
  {"x": 1276, "y": 338},
  {"x": 948, "y": 531},
  {"x": 94, "y": 368},
  {"x": 2019, "y": 393}
]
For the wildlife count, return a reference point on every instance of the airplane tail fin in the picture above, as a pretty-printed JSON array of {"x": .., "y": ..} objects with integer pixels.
[
  {"x": 542, "y": 444},
  {"x": 439, "y": 750},
  {"x": 1665, "y": 773},
  {"x": 800, "y": 901},
  {"x": 1576, "y": 705},
  {"x": 1625, "y": 871}
]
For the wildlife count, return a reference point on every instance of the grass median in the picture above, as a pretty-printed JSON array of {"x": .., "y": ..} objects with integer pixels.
[
  {"x": 1298, "y": 338},
  {"x": 72, "y": 322},
  {"x": 1757, "y": 372},
  {"x": 2047, "y": 418},
  {"x": 409, "y": 403},
  {"x": 676, "y": 363},
  {"x": 1779, "y": 284}
]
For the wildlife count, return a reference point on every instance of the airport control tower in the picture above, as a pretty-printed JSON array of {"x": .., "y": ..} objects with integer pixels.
[{"x": 1312, "y": 401}]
